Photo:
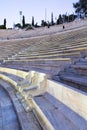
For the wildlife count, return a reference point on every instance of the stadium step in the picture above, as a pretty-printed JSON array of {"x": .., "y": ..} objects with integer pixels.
[
  {"x": 80, "y": 69},
  {"x": 12, "y": 76},
  {"x": 78, "y": 82},
  {"x": 60, "y": 116},
  {"x": 75, "y": 75},
  {"x": 8, "y": 117},
  {"x": 80, "y": 66},
  {"x": 26, "y": 120}
]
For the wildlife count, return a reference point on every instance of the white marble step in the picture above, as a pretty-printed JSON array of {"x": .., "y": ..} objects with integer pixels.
[{"x": 57, "y": 112}]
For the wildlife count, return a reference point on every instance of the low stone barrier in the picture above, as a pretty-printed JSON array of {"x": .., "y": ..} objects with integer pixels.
[{"x": 71, "y": 97}]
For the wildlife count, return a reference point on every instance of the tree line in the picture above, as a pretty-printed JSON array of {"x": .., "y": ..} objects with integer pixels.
[
  {"x": 80, "y": 10},
  {"x": 4, "y": 25}
]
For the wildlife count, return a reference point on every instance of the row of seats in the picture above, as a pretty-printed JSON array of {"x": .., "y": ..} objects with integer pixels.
[
  {"x": 12, "y": 47},
  {"x": 59, "y": 48},
  {"x": 33, "y": 84},
  {"x": 75, "y": 74},
  {"x": 59, "y": 115},
  {"x": 42, "y": 53},
  {"x": 14, "y": 33},
  {"x": 15, "y": 114}
]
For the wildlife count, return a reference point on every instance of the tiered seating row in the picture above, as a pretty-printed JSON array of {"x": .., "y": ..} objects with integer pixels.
[
  {"x": 12, "y": 47},
  {"x": 25, "y": 119},
  {"x": 57, "y": 47},
  {"x": 44, "y": 44},
  {"x": 74, "y": 75},
  {"x": 54, "y": 113},
  {"x": 14, "y": 34}
]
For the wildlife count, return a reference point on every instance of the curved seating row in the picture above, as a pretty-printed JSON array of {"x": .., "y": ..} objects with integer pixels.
[
  {"x": 26, "y": 119},
  {"x": 54, "y": 97},
  {"x": 40, "y": 53}
]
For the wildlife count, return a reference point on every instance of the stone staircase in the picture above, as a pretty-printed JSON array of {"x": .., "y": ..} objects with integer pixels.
[
  {"x": 75, "y": 75},
  {"x": 60, "y": 106},
  {"x": 56, "y": 112},
  {"x": 47, "y": 53},
  {"x": 18, "y": 119},
  {"x": 60, "y": 116}
]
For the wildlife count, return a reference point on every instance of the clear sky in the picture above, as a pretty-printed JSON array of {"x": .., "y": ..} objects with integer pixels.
[{"x": 10, "y": 9}]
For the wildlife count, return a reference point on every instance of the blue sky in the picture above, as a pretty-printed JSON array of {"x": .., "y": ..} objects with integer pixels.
[{"x": 10, "y": 9}]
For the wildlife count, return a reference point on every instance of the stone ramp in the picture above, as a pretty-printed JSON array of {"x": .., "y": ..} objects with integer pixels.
[
  {"x": 60, "y": 116},
  {"x": 26, "y": 120}
]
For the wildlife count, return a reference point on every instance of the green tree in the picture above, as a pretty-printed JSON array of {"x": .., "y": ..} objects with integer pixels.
[
  {"x": 23, "y": 21},
  {"x": 18, "y": 25},
  {"x": 32, "y": 21},
  {"x": 52, "y": 22},
  {"x": 60, "y": 19},
  {"x": 81, "y": 7},
  {"x": 43, "y": 23},
  {"x": 4, "y": 23}
]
